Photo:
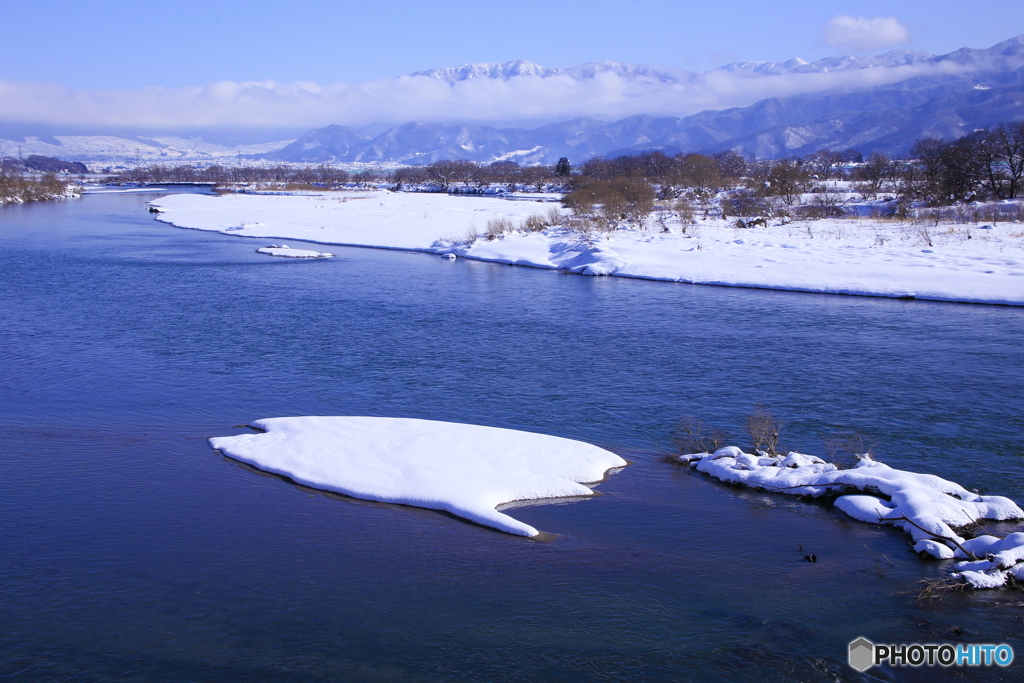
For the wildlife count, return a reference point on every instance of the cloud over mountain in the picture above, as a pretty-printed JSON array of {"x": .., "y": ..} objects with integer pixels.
[{"x": 512, "y": 91}]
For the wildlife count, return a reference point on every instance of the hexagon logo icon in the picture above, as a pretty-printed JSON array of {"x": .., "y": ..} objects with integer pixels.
[{"x": 862, "y": 654}]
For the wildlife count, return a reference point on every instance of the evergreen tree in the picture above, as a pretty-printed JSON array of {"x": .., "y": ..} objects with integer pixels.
[{"x": 562, "y": 168}]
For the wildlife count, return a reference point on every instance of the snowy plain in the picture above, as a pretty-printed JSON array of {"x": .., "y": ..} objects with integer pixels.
[
  {"x": 467, "y": 470},
  {"x": 856, "y": 256}
]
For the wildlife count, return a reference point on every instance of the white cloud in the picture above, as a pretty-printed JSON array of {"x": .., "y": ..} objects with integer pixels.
[
  {"x": 412, "y": 98},
  {"x": 860, "y": 34}
]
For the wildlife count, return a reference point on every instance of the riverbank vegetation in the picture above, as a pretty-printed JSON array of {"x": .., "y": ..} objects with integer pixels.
[
  {"x": 16, "y": 187},
  {"x": 455, "y": 177},
  {"x": 941, "y": 181}
]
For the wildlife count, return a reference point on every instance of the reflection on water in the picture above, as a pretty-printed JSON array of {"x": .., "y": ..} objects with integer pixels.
[{"x": 133, "y": 552}]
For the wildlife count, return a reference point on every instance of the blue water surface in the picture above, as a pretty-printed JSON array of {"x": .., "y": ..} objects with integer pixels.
[{"x": 131, "y": 551}]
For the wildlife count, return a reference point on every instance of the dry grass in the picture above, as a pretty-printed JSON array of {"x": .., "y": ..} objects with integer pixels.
[
  {"x": 936, "y": 589},
  {"x": 500, "y": 226}
]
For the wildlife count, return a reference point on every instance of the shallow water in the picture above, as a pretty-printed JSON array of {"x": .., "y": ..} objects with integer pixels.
[{"x": 131, "y": 551}]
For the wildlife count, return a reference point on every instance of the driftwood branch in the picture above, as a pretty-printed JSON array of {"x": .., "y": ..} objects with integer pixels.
[
  {"x": 798, "y": 486},
  {"x": 878, "y": 553},
  {"x": 904, "y": 518}
]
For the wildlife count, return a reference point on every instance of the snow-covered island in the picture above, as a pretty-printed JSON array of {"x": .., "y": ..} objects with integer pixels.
[
  {"x": 860, "y": 256},
  {"x": 287, "y": 252},
  {"x": 467, "y": 470},
  {"x": 927, "y": 507}
]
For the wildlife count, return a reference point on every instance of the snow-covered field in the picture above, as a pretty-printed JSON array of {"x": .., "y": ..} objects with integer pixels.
[
  {"x": 871, "y": 257},
  {"x": 467, "y": 470}
]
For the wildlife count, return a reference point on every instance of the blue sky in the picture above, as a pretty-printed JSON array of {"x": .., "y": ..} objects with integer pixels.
[
  {"x": 141, "y": 44},
  {"x": 195, "y": 64}
]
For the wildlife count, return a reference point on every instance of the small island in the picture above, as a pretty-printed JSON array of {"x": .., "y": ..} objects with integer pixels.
[{"x": 467, "y": 470}]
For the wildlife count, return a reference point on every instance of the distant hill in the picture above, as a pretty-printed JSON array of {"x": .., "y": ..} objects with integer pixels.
[{"x": 41, "y": 164}]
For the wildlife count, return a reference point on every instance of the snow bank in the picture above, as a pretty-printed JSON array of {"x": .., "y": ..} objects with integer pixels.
[
  {"x": 390, "y": 220},
  {"x": 467, "y": 470},
  {"x": 837, "y": 256},
  {"x": 288, "y": 252},
  {"x": 924, "y": 505}
]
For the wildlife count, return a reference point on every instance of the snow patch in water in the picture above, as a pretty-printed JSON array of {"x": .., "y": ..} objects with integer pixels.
[
  {"x": 288, "y": 252},
  {"x": 467, "y": 470}
]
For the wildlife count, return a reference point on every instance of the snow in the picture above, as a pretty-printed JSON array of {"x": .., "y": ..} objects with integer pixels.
[
  {"x": 287, "y": 252},
  {"x": 1001, "y": 559},
  {"x": 467, "y": 470},
  {"x": 862, "y": 256},
  {"x": 390, "y": 220},
  {"x": 925, "y": 506}
]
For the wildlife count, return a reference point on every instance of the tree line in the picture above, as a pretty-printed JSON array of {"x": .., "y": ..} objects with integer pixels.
[
  {"x": 986, "y": 164},
  {"x": 445, "y": 175}
]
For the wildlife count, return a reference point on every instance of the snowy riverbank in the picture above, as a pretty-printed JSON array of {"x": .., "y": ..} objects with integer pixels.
[{"x": 868, "y": 257}]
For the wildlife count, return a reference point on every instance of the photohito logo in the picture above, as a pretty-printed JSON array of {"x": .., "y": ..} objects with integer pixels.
[{"x": 864, "y": 654}]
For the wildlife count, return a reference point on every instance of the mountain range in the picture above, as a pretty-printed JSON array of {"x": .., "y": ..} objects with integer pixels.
[
  {"x": 943, "y": 96},
  {"x": 881, "y": 103}
]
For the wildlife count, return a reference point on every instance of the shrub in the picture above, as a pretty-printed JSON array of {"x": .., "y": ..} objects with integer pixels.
[
  {"x": 764, "y": 429},
  {"x": 498, "y": 228},
  {"x": 691, "y": 435}
]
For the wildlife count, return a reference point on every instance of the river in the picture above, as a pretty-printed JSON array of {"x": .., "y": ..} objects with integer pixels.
[{"x": 130, "y": 551}]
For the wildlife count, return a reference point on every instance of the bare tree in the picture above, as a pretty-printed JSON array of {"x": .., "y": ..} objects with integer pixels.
[
  {"x": 764, "y": 429},
  {"x": 824, "y": 164},
  {"x": 730, "y": 165},
  {"x": 691, "y": 435},
  {"x": 1002, "y": 159},
  {"x": 874, "y": 173},
  {"x": 787, "y": 180},
  {"x": 701, "y": 175}
]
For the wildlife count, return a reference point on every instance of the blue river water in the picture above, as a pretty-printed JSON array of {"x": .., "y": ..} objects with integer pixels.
[{"x": 131, "y": 551}]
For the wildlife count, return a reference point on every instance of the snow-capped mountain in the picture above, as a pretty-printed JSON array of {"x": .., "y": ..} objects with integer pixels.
[
  {"x": 1006, "y": 55},
  {"x": 829, "y": 64},
  {"x": 965, "y": 90},
  {"x": 521, "y": 67},
  {"x": 497, "y": 70}
]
